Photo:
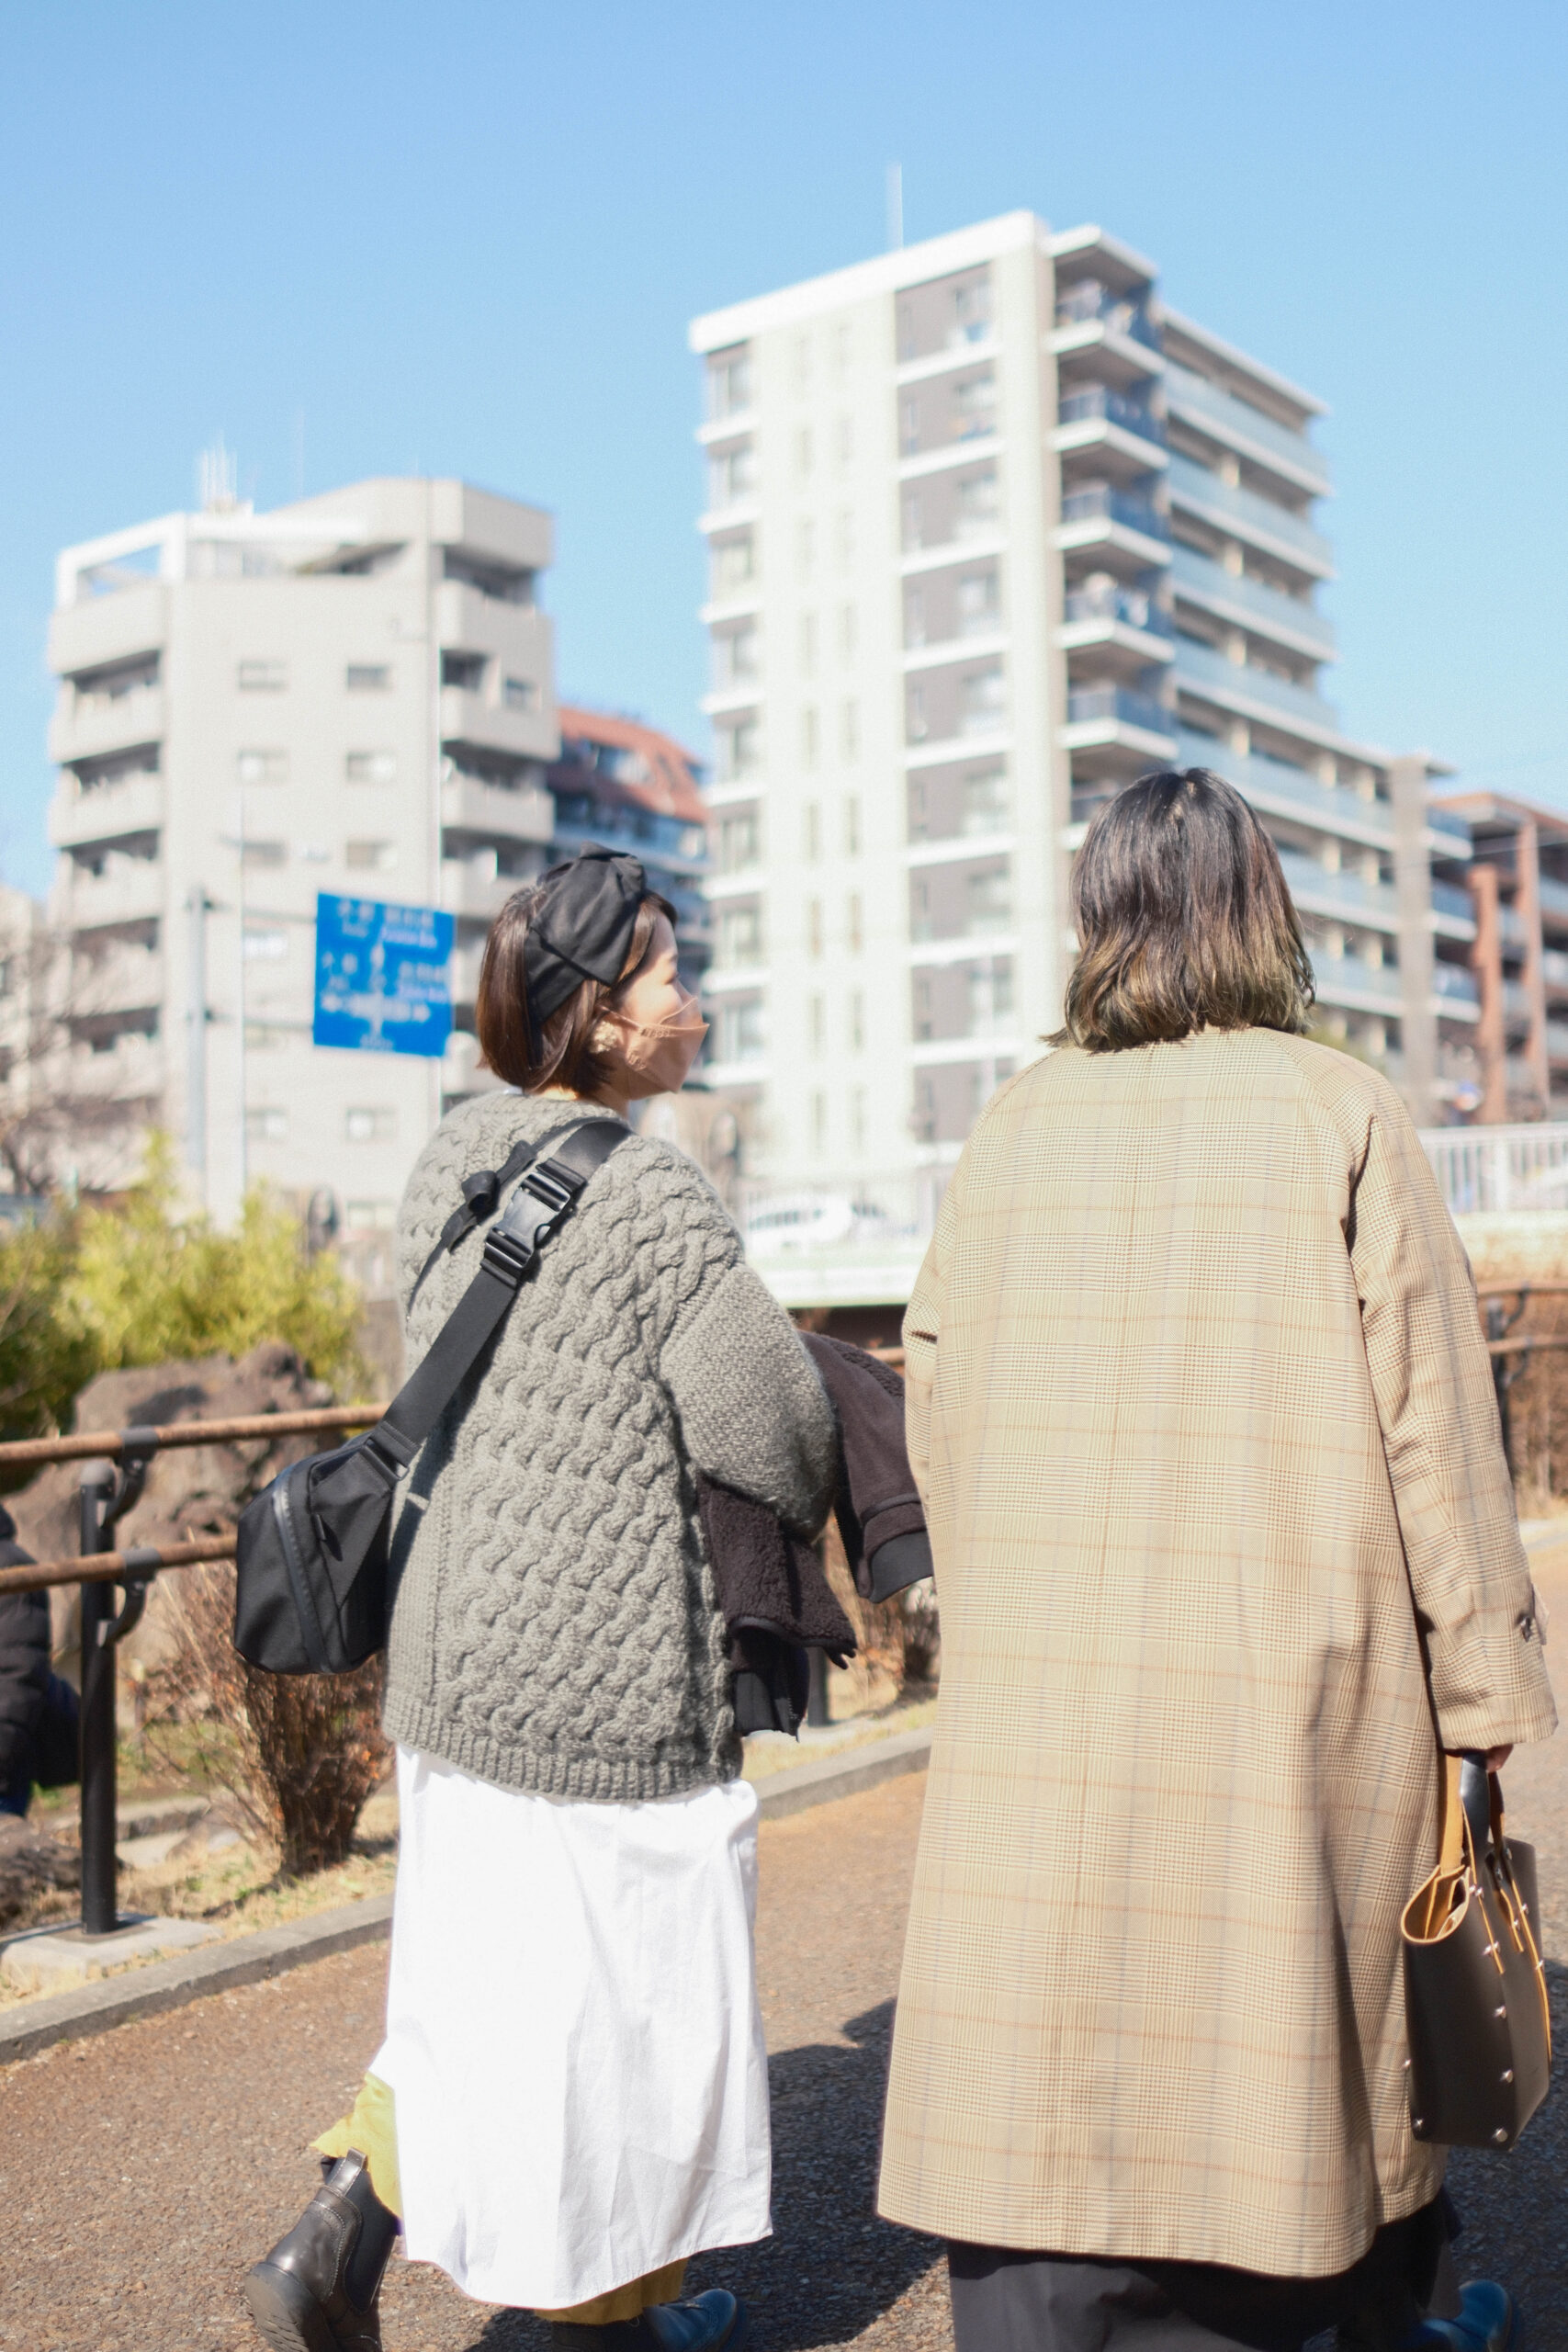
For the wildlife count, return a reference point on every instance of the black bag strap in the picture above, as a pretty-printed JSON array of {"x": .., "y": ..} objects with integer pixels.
[
  {"x": 545, "y": 1197},
  {"x": 481, "y": 1194}
]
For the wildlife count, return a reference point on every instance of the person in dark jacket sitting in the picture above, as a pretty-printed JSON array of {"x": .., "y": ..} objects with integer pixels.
[{"x": 37, "y": 1710}]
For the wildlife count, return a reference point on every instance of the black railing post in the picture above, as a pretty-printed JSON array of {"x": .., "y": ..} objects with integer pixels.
[
  {"x": 817, "y": 1713},
  {"x": 100, "y": 1908}
]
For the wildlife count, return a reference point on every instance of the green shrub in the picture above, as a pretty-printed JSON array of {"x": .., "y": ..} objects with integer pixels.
[
  {"x": 151, "y": 1284},
  {"x": 47, "y": 1353}
]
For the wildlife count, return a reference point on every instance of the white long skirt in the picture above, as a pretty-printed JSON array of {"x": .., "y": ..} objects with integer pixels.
[{"x": 573, "y": 2036}]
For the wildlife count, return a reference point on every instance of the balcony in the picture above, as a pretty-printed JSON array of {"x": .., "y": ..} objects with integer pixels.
[
  {"x": 1292, "y": 792},
  {"x": 1554, "y": 969},
  {"x": 1101, "y": 503},
  {"x": 473, "y": 888},
  {"x": 1245, "y": 429},
  {"x": 1098, "y": 404},
  {"x": 1249, "y": 605},
  {"x": 1455, "y": 985},
  {"x": 469, "y": 805},
  {"x": 87, "y": 727},
  {"x": 1242, "y": 514},
  {"x": 1557, "y": 1040},
  {"x": 1447, "y": 900},
  {"x": 128, "y": 979},
  {"x": 1088, "y": 303},
  {"x": 106, "y": 813},
  {"x": 1242, "y": 685},
  {"x": 1452, "y": 827},
  {"x": 1352, "y": 981},
  {"x": 1335, "y": 892},
  {"x": 1123, "y": 703},
  {"x": 130, "y": 889},
  {"x": 469, "y": 718},
  {"x": 1114, "y": 732},
  {"x": 1133, "y": 607},
  {"x": 1554, "y": 898}
]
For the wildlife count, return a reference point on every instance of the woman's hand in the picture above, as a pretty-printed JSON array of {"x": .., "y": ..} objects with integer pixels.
[{"x": 1497, "y": 1756}]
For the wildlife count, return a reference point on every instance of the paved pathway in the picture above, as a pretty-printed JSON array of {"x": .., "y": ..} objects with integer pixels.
[{"x": 140, "y": 2172}]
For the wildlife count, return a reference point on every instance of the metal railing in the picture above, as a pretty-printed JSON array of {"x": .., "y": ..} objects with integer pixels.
[
  {"x": 1133, "y": 606},
  {"x": 1252, "y": 516},
  {"x": 1100, "y": 402},
  {"x": 1123, "y": 704},
  {"x": 114, "y": 1466},
  {"x": 1500, "y": 1168},
  {"x": 1115, "y": 506}
]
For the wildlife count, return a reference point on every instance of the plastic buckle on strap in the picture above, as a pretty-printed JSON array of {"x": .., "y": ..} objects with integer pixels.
[
  {"x": 510, "y": 1255},
  {"x": 555, "y": 1185}
]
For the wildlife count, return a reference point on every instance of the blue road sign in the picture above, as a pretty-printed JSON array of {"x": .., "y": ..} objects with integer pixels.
[{"x": 383, "y": 982}]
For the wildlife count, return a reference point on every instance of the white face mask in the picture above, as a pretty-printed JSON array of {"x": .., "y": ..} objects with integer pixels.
[{"x": 661, "y": 1053}]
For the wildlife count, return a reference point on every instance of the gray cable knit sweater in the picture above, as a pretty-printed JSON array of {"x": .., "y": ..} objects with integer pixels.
[{"x": 555, "y": 1625}]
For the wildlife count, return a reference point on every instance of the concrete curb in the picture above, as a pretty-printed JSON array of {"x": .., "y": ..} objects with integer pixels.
[{"x": 246, "y": 1960}]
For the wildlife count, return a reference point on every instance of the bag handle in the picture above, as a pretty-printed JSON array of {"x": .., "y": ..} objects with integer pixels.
[{"x": 544, "y": 1199}]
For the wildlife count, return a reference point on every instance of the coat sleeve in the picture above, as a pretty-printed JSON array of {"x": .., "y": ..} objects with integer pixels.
[
  {"x": 753, "y": 1414},
  {"x": 1432, "y": 1381}
]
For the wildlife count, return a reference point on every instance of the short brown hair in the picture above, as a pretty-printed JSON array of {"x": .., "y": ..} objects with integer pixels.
[
  {"x": 1184, "y": 920},
  {"x": 559, "y": 1051}
]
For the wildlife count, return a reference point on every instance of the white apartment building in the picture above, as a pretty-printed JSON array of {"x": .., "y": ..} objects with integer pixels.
[
  {"x": 991, "y": 531},
  {"x": 352, "y": 693}
]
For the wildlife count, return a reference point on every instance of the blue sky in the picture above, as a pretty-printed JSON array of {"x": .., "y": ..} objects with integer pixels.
[{"x": 467, "y": 240}]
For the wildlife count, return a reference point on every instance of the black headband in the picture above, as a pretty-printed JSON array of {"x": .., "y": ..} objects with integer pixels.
[{"x": 582, "y": 927}]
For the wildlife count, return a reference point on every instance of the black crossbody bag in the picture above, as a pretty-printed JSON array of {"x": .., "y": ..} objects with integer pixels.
[{"x": 310, "y": 1581}]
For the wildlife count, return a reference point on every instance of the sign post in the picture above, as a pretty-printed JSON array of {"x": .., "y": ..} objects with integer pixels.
[{"x": 383, "y": 976}]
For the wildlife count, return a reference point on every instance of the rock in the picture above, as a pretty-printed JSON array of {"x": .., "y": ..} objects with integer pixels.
[
  {"x": 190, "y": 1490},
  {"x": 31, "y": 1866}
]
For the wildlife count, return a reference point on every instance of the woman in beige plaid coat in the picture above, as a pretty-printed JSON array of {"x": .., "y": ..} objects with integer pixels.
[{"x": 1226, "y": 1551}]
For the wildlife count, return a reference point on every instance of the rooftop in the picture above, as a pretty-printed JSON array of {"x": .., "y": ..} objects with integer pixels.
[{"x": 644, "y": 769}]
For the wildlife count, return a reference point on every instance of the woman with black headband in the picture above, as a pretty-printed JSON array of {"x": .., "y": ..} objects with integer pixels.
[{"x": 571, "y": 2098}]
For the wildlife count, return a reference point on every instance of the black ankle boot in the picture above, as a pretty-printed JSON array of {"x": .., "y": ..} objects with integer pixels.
[
  {"x": 317, "y": 2290},
  {"x": 717, "y": 2322}
]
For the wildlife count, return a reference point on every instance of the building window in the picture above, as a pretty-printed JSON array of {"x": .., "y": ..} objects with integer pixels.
[
  {"x": 372, "y": 677},
  {"x": 972, "y": 310},
  {"x": 737, "y": 655},
  {"x": 370, "y": 857},
  {"x": 807, "y": 644},
  {"x": 740, "y": 751},
  {"x": 733, "y": 565},
  {"x": 266, "y": 946},
  {"x": 854, "y": 926},
  {"x": 846, "y": 440},
  {"x": 816, "y": 1022},
  {"x": 808, "y": 738},
  {"x": 271, "y": 854},
  {"x": 852, "y": 825},
  {"x": 263, "y": 677},
  {"x": 465, "y": 671},
  {"x": 740, "y": 840},
  {"x": 857, "y": 1119},
  {"x": 730, "y": 383},
  {"x": 740, "y": 938},
  {"x": 263, "y": 767},
  {"x": 811, "y": 832},
  {"x": 849, "y": 732},
  {"x": 849, "y": 631},
  {"x": 370, "y": 767},
  {"x": 846, "y": 537},
  {"x": 813, "y": 926},
  {"x": 916, "y": 726},
  {"x": 804, "y": 545},
  {"x": 983, "y": 702},
  {"x": 857, "y": 1021},
  {"x": 373, "y": 1123},
  {"x": 804, "y": 453},
  {"x": 977, "y": 504},
  {"x": 265, "y": 1123},
  {"x": 986, "y": 801},
  {"x": 739, "y": 1028},
  {"x": 979, "y": 603},
  {"x": 819, "y": 1123},
  {"x": 732, "y": 475},
  {"x": 520, "y": 694}
]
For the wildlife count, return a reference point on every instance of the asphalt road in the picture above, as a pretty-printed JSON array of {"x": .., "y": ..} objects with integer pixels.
[{"x": 140, "y": 2172}]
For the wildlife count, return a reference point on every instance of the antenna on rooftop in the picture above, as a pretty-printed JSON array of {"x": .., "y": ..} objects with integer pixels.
[
  {"x": 218, "y": 474},
  {"x": 894, "y": 207}
]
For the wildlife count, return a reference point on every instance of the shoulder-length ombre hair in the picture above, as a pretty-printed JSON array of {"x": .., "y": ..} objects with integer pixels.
[{"x": 1184, "y": 920}]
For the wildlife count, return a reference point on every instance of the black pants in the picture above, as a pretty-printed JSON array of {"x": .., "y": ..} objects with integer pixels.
[{"x": 1004, "y": 2302}]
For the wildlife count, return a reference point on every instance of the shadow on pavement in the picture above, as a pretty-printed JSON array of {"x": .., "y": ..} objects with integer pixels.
[
  {"x": 832, "y": 2269},
  {"x": 1513, "y": 2207}
]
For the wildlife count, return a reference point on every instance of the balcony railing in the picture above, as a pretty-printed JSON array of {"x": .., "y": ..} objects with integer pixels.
[
  {"x": 1132, "y": 605},
  {"x": 1447, "y": 900},
  {"x": 1212, "y": 583},
  {"x": 1099, "y": 402},
  {"x": 1089, "y": 300},
  {"x": 1201, "y": 667},
  {"x": 1553, "y": 895},
  {"x": 1554, "y": 967},
  {"x": 1236, "y": 422},
  {"x": 1247, "y": 514},
  {"x": 1337, "y": 976},
  {"x": 1349, "y": 894},
  {"x": 1100, "y": 501},
  {"x": 1270, "y": 780},
  {"x": 1123, "y": 704},
  {"x": 1452, "y": 981}
]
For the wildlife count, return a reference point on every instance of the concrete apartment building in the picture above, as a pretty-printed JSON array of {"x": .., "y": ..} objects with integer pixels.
[
  {"x": 351, "y": 694},
  {"x": 991, "y": 531},
  {"x": 1518, "y": 878}
]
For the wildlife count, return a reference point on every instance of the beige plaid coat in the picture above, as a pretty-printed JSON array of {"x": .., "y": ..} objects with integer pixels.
[{"x": 1200, "y": 1409}]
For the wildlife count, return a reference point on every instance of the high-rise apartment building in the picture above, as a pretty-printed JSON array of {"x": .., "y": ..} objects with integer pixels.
[
  {"x": 1519, "y": 877},
  {"x": 991, "y": 531},
  {"x": 352, "y": 693}
]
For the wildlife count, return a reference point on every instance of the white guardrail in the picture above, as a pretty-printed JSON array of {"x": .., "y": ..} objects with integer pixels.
[
  {"x": 853, "y": 1240},
  {"x": 1504, "y": 1170}
]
